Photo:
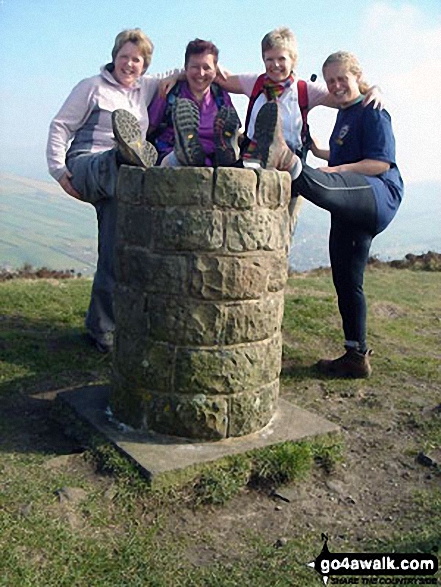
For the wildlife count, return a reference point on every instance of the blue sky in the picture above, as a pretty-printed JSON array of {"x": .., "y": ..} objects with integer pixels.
[{"x": 47, "y": 46}]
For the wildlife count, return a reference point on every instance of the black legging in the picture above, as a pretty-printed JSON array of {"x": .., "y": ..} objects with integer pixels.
[{"x": 350, "y": 200}]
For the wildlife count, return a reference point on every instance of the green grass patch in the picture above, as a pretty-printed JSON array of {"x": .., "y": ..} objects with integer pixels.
[{"x": 121, "y": 534}]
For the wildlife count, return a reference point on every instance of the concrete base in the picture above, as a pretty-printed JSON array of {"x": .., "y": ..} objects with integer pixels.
[{"x": 166, "y": 460}]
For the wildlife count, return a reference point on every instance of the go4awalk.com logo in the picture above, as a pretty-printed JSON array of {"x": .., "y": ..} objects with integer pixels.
[{"x": 375, "y": 569}]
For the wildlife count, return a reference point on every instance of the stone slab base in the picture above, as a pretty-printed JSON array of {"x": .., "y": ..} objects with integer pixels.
[{"x": 169, "y": 460}]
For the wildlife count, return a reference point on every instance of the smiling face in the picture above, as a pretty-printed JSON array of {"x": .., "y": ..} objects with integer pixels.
[
  {"x": 278, "y": 64},
  {"x": 129, "y": 65},
  {"x": 342, "y": 84},
  {"x": 201, "y": 71}
]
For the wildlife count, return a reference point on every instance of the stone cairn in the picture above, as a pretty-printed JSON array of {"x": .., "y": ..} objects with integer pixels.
[{"x": 201, "y": 266}]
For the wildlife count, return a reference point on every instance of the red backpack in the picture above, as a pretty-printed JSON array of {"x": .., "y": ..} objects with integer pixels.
[{"x": 302, "y": 91}]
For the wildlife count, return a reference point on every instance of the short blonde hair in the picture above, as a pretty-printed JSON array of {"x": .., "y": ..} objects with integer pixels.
[
  {"x": 281, "y": 38},
  {"x": 138, "y": 38},
  {"x": 351, "y": 63}
]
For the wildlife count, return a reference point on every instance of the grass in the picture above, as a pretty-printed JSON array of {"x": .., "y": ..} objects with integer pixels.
[{"x": 222, "y": 529}]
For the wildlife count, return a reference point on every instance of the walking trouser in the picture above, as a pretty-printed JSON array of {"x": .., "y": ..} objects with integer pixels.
[
  {"x": 94, "y": 176},
  {"x": 351, "y": 201}
]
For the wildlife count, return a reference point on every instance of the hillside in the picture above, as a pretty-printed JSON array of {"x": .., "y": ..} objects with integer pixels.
[
  {"x": 42, "y": 226},
  {"x": 413, "y": 230},
  {"x": 74, "y": 513}
]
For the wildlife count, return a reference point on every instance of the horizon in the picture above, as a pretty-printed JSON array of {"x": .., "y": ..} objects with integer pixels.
[{"x": 43, "y": 226}]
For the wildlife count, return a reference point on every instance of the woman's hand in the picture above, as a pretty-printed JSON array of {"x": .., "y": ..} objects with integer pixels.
[
  {"x": 168, "y": 83},
  {"x": 317, "y": 151},
  {"x": 228, "y": 81},
  {"x": 370, "y": 167},
  {"x": 64, "y": 181},
  {"x": 375, "y": 96},
  {"x": 222, "y": 74}
]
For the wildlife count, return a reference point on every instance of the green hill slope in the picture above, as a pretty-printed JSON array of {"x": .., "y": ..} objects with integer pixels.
[{"x": 64, "y": 520}]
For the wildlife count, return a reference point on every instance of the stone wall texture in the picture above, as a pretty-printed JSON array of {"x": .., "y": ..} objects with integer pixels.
[{"x": 201, "y": 266}]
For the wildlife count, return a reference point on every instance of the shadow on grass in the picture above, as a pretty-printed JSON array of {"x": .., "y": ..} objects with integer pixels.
[
  {"x": 40, "y": 358},
  {"x": 298, "y": 371}
]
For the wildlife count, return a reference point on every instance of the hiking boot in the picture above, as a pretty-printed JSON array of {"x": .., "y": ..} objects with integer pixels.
[
  {"x": 351, "y": 364},
  {"x": 188, "y": 149},
  {"x": 269, "y": 148},
  {"x": 131, "y": 146},
  {"x": 102, "y": 342},
  {"x": 226, "y": 132}
]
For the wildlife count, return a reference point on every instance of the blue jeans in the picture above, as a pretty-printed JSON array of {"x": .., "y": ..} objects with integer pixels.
[
  {"x": 350, "y": 200},
  {"x": 94, "y": 176}
]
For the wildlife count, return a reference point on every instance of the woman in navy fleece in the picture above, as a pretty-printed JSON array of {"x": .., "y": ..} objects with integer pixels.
[{"x": 361, "y": 187}]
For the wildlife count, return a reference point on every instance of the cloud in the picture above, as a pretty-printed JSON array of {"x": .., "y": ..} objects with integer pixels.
[
  {"x": 402, "y": 53},
  {"x": 400, "y": 50}
]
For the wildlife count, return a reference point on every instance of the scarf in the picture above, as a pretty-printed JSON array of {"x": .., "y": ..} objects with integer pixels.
[{"x": 272, "y": 91}]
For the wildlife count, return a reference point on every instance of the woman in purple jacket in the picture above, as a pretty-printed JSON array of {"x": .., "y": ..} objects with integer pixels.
[{"x": 196, "y": 123}]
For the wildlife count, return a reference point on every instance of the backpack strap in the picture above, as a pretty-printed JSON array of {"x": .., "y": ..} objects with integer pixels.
[
  {"x": 167, "y": 120},
  {"x": 218, "y": 94},
  {"x": 255, "y": 93},
  {"x": 302, "y": 92}
]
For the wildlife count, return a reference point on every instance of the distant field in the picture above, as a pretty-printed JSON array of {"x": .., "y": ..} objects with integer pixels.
[
  {"x": 415, "y": 229},
  {"x": 42, "y": 226}
]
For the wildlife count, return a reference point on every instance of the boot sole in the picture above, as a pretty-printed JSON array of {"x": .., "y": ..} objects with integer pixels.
[
  {"x": 226, "y": 126},
  {"x": 132, "y": 147},
  {"x": 186, "y": 119},
  {"x": 264, "y": 132}
]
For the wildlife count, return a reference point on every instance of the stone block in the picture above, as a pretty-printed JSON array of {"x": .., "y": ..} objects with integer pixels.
[
  {"x": 228, "y": 370},
  {"x": 134, "y": 225},
  {"x": 131, "y": 310},
  {"x": 151, "y": 273},
  {"x": 278, "y": 273},
  {"x": 235, "y": 188},
  {"x": 254, "y": 320},
  {"x": 185, "y": 322},
  {"x": 274, "y": 188},
  {"x": 229, "y": 277},
  {"x": 247, "y": 231},
  {"x": 125, "y": 401},
  {"x": 261, "y": 229},
  {"x": 195, "y": 416},
  {"x": 188, "y": 230},
  {"x": 144, "y": 364},
  {"x": 253, "y": 410},
  {"x": 279, "y": 236},
  {"x": 129, "y": 187},
  {"x": 179, "y": 186}
]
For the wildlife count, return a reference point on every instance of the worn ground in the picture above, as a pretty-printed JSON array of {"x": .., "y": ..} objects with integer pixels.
[{"x": 384, "y": 493}]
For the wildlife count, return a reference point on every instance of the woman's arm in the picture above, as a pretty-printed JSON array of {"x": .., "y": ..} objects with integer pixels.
[
  {"x": 167, "y": 82},
  {"x": 373, "y": 95},
  {"x": 370, "y": 167},
  {"x": 317, "y": 151},
  {"x": 228, "y": 81},
  {"x": 71, "y": 116}
]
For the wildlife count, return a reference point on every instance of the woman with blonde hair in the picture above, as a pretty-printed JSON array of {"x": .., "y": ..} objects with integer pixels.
[
  {"x": 281, "y": 83},
  {"x": 361, "y": 187},
  {"x": 83, "y": 157}
]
